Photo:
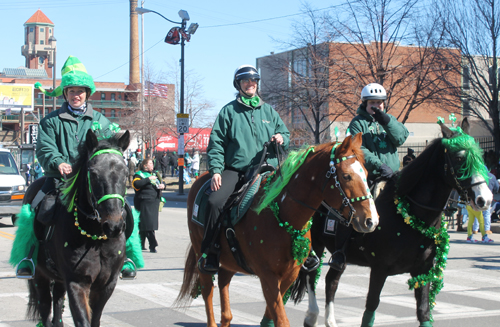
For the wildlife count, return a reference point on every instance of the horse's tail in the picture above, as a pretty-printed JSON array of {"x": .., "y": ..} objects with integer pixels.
[
  {"x": 191, "y": 281},
  {"x": 32, "y": 312},
  {"x": 299, "y": 286}
]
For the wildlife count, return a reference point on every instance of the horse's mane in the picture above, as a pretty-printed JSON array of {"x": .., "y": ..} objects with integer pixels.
[
  {"x": 410, "y": 175},
  {"x": 293, "y": 162},
  {"x": 70, "y": 184}
]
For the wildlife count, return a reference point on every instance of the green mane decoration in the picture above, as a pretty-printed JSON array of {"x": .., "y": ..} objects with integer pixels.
[
  {"x": 474, "y": 162},
  {"x": 293, "y": 162}
]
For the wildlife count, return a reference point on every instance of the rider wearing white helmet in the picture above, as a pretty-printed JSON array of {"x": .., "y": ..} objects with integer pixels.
[{"x": 382, "y": 133}]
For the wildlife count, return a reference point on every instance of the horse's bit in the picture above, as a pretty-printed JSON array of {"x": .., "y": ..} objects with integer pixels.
[{"x": 95, "y": 215}]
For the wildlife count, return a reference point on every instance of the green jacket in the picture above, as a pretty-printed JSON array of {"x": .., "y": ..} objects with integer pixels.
[
  {"x": 380, "y": 143},
  {"x": 239, "y": 134},
  {"x": 59, "y": 135}
]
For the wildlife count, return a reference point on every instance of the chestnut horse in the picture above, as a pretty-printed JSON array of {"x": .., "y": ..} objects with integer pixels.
[
  {"x": 325, "y": 171},
  {"x": 395, "y": 247}
]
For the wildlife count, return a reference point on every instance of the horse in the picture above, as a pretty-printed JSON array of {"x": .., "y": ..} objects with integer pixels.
[
  {"x": 422, "y": 189},
  {"x": 85, "y": 254},
  {"x": 304, "y": 180}
]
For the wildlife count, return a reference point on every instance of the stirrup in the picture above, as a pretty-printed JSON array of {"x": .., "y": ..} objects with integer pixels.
[
  {"x": 30, "y": 261},
  {"x": 337, "y": 264},
  {"x": 312, "y": 263},
  {"x": 201, "y": 266},
  {"x": 129, "y": 277}
]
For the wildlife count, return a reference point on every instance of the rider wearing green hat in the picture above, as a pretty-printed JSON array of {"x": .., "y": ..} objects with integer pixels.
[{"x": 61, "y": 131}]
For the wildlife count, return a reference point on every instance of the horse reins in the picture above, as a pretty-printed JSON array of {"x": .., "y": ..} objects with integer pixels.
[{"x": 346, "y": 202}]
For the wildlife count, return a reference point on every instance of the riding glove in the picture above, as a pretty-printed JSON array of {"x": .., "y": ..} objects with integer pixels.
[
  {"x": 385, "y": 171},
  {"x": 381, "y": 117}
]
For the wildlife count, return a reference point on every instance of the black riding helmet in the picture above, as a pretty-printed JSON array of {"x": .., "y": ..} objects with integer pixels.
[{"x": 244, "y": 72}]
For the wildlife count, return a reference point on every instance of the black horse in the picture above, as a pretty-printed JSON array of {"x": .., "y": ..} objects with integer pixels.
[
  {"x": 87, "y": 249},
  {"x": 395, "y": 247}
]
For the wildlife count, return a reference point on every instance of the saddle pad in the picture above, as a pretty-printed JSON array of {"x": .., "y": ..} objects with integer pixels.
[{"x": 201, "y": 201}]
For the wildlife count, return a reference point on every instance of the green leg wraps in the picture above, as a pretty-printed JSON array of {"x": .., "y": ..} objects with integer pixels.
[
  {"x": 425, "y": 324},
  {"x": 266, "y": 322},
  {"x": 368, "y": 319},
  {"x": 133, "y": 247}
]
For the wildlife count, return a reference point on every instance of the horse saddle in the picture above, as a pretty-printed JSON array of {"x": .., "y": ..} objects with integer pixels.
[{"x": 236, "y": 206}]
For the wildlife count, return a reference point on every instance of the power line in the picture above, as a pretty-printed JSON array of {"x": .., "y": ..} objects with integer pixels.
[
  {"x": 271, "y": 18},
  {"x": 129, "y": 61}
]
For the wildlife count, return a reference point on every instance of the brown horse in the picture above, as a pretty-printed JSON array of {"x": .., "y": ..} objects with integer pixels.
[{"x": 332, "y": 173}]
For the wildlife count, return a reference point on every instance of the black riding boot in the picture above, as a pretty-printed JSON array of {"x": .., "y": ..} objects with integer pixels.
[{"x": 210, "y": 247}]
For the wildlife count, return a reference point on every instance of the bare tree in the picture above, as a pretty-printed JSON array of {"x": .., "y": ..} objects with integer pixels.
[
  {"x": 297, "y": 83},
  {"x": 157, "y": 116},
  {"x": 473, "y": 26},
  {"x": 398, "y": 45}
]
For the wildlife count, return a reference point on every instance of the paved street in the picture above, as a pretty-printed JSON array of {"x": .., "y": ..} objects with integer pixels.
[{"x": 471, "y": 296}]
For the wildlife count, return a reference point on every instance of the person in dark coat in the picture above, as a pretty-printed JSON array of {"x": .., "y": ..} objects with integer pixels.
[
  {"x": 164, "y": 165},
  {"x": 147, "y": 201},
  {"x": 409, "y": 157}
]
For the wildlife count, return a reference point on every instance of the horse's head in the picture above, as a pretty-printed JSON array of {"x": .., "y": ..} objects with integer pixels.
[
  {"x": 346, "y": 167},
  {"x": 106, "y": 180},
  {"x": 465, "y": 166}
]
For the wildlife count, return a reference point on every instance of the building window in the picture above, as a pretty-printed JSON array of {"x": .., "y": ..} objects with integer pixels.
[
  {"x": 466, "y": 107},
  {"x": 41, "y": 29},
  {"x": 39, "y": 95},
  {"x": 103, "y": 112},
  {"x": 466, "y": 78},
  {"x": 50, "y": 30},
  {"x": 119, "y": 96},
  {"x": 41, "y": 41},
  {"x": 112, "y": 97},
  {"x": 31, "y": 29},
  {"x": 103, "y": 96},
  {"x": 113, "y": 115}
]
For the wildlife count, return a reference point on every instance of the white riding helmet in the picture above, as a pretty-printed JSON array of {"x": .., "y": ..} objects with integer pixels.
[{"x": 373, "y": 91}]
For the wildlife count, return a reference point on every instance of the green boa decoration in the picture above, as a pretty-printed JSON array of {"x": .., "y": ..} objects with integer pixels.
[{"x": 442, "y": 241}]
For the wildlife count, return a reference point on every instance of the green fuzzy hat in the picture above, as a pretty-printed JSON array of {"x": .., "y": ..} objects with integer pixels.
[{"x": 73, "y": 74}]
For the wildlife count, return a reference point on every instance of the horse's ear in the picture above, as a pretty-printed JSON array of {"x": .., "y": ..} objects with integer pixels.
[
  {"x": 124, "y": 141},
  {"x": 345, "y": 145},
  {"x": 357, "y": 140},
  {"x": 90, "y": 141},
  {"x": 466, "y": 126},
  {"x": 447, "y": 133}
]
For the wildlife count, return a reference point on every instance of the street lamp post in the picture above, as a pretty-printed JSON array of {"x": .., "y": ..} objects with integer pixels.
[{"x": 184, "y": 33}]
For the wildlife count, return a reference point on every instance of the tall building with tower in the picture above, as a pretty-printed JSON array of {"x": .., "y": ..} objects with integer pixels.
[{"x": 38, "y": 38}]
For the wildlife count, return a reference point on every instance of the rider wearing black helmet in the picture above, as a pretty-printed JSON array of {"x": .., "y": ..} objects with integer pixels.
[{"x": 236, "y": 144}]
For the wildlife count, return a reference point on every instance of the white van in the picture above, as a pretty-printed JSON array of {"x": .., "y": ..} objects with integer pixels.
[{"x": 12, "y": 186}]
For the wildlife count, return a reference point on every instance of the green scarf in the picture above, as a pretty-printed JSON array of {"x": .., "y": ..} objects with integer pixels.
[
  {"x": 252, "y": 102},
  {"x": 145, "y": 174}
]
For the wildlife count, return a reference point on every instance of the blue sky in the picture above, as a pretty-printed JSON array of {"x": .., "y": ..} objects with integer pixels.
[{"x": 97, "y": 32}]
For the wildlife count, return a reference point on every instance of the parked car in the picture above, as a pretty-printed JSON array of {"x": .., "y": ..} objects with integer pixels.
[{"x": 12, "y": 186}]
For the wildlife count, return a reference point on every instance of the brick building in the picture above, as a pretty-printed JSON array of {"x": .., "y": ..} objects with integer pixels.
[{"x": 345, "y": 68}]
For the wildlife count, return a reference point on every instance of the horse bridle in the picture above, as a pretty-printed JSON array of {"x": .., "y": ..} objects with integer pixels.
[
  {"x": 94, "y": 201},
  {"x": 462, "y": 190},
  {"x": 346, "y": 202}
]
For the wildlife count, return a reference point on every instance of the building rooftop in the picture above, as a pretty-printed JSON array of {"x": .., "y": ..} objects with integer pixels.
[
  {"x": 24, "y": 72},
  {"x": 39, "y": 17}
]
